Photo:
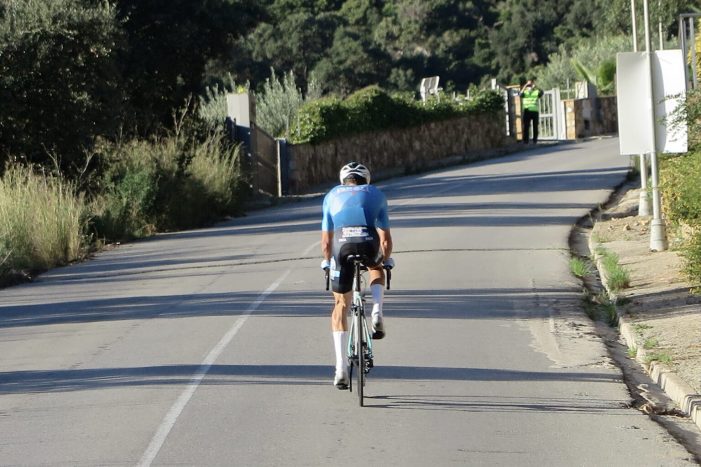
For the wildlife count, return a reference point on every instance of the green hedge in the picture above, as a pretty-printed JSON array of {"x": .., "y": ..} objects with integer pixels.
[
  {"x": 373, "y": 109},
  {"x": 681, "y": 195},
  {"x": 680, "y": 180}
]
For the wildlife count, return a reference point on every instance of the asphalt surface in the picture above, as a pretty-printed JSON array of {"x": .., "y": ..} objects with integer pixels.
[{"x": 213, "y": 347}]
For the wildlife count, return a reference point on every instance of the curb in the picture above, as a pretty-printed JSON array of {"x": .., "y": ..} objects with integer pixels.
[{"x": 678, "y": 390}]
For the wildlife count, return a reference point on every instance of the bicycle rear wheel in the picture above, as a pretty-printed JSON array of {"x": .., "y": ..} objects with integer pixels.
[{"x": 360, "y": 351}]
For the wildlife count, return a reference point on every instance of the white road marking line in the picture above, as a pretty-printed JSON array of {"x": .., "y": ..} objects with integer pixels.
[
  {"x": 311, "y": 247},
  {"x": 172, "y": 416}
]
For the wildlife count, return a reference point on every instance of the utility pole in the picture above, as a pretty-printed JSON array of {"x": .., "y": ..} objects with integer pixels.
[
  {"x": 658, "y": 234},
  {"x": 644, "y": 201},
  {"x": 659, "y": 23}
]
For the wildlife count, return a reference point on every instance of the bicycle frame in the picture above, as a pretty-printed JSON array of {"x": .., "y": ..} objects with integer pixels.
[
  {"x": 357, "y": 314},
  {"x": 359, "y": 338}
]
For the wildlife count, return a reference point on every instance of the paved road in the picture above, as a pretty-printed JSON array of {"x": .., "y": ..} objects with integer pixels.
[{"x": 213, "y": 347}]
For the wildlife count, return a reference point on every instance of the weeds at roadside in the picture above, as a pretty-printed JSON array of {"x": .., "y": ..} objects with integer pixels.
[
  {"x": 609, "y": 313},
  {"x": 632, "y": 352},
  {"x": 580, "y": 267},
  {"x": 661, "y": 357},
  {"x": 600, "y": 308},
  {"x": 650, "y": 343},
  {"x": 617, "y": 277}
]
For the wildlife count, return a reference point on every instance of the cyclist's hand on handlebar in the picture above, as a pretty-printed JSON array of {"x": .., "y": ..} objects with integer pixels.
[
  {"x": 388, "y": 263},
  {"x": 325, "y": 264}
]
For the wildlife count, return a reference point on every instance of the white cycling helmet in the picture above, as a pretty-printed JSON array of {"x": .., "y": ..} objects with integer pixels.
[{"x": 354, "y": 169}]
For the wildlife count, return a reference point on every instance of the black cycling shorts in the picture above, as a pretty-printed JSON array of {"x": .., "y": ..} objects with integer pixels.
[{"x": 362, "y": 241}]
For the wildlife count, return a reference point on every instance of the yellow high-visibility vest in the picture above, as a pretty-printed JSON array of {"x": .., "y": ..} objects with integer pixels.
[{"x": 529, "y": 97}]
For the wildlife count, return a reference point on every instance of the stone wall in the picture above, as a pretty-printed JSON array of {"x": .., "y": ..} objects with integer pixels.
[
  {"x": 590, "y": 117},
  {"x": 399, "y": 151}
]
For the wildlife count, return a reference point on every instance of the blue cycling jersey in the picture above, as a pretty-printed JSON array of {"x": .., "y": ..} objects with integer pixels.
[{"x": 351, "y": 205}]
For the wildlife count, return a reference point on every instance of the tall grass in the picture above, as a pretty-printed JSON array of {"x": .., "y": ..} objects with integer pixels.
[
  {"x": 217, "y": 168},
  {"x": 42, "y": 221},
  {"x": 171, "y": 183}
]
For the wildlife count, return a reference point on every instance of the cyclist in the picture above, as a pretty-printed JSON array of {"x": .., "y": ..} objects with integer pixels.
[{"x": 354, "y": 221}]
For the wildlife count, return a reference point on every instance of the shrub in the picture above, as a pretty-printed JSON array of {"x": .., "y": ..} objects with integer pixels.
[
  {"x": 169, "y": 183},
  {"x": 373, "y": 109},
  {"x": 680, "y": 181},
  {"x": 42, "y": 221},
  {"x": 129, "y": 190},
  {"x": 214, "y": 182},
  {"x": 319, "y": 120},
  {"x": 212, "y": 107},
  {"x": 592, "y": 59},
  {"x": 277, "y": 104},
  {"x": 691, "y": 252}
]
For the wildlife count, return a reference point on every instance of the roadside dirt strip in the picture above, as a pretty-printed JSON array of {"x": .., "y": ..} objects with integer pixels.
[{"x": 659, "y": 318}]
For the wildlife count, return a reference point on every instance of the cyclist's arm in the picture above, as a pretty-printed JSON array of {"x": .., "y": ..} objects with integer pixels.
[
  {"x": 326, "y": 241},
  {"x": 385, "y": 242}
]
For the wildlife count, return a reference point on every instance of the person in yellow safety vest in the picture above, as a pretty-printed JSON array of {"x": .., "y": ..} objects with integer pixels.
[{"x": 529, "y": 100}]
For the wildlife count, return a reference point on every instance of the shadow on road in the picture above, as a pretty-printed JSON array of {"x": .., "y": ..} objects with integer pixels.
[
  {"x": 493, "y": 403},
  {"x": 22, "y": 382},
  {"x": 497, "y": 303}
]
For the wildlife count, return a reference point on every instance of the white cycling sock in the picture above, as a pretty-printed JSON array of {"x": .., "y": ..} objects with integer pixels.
[
  {"x": 378, "y": 294},
  {"x": 340, "y": 345}
]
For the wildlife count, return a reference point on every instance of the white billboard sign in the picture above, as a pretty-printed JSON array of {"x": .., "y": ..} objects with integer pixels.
[
  {"x": 635, "y": 104},
  {"x": 669, "y": 89}
]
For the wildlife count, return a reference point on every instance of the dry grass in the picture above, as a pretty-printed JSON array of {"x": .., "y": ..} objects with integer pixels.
[{"x": 42, "y": 221}]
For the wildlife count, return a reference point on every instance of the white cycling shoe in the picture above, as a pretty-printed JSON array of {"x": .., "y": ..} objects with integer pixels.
[
  {"x": 340, "y": 380},
  {"x": 378, "y": 327}
]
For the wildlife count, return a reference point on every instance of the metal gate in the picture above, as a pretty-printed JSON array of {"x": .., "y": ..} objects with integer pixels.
[
  {"x": 551, "y": 125},
  {"x": 265, "y": 160}
]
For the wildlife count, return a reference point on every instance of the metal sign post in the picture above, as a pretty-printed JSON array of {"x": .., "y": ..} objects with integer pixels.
[
  {"x": 651, "y": 88},
  {"x": 644, "y": 199},
  {"x": 658, "y": 231}
]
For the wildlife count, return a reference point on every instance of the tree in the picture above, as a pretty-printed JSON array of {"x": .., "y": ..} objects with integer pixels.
[
  {"x": 523, "y": 37},
  {"x": 60, "y": 84},
  {"x": 171, "y": 44},
  {"x": 296, "y": 43},
  {"x": 614, "y": 16},
  {"x": 351, "y": 63},
  {"x": 436, "y": 37}
]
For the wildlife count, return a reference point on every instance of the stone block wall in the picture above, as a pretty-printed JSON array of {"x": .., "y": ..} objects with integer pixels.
[
  {"x": 399, "y": 151},
  {"x": 590, "y": 117}
]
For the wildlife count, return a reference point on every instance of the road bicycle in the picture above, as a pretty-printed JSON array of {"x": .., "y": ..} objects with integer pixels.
[{"x": 359, "y": 352}]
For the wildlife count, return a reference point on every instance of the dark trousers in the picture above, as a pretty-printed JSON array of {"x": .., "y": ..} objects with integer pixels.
[{"x": 528, "y": 117}]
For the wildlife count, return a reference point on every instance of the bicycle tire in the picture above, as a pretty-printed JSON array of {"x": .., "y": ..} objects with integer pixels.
[{"x": 360, "y": 360}]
